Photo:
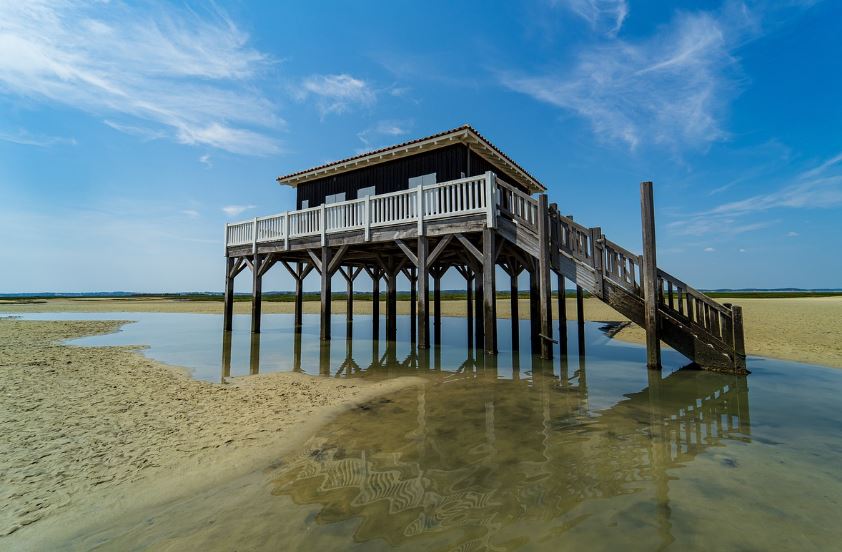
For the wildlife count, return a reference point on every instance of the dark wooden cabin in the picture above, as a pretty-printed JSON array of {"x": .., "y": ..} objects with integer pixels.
[{"x": 442, "y": 157}]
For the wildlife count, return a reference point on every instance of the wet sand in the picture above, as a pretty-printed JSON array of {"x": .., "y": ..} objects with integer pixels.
[
  {"x": 805, "y": 329},
  {"x": 94, "y": 432}
]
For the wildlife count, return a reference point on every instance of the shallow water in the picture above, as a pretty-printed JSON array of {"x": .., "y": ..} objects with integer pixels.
[{"x": 510, "y": 453}]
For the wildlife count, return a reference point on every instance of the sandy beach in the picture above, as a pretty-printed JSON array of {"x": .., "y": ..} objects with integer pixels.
[
  {"x": 92, "y": 432},
  {"x": 801, "y": 329}
]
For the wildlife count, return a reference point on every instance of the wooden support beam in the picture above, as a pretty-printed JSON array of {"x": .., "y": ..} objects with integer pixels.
[
  {"x": 437, "y": 274},
  {"x": 374, "y": 273},
  {"x": 391, "y": 305},
  {"x": 315, "y": 258},
  {"x": 514, "y": 301},
  {"x": 562, "y": 314},
  {"x": 423, "y": 295},
  {"x": 256, "y": 293},
  {"x": 228, "y": 308},
  {"x": 336, "y": 260},
  {"x": 650, "y": 276},
  {"x": 407, "y": 251},
  {"x": 438, "y": 250},
  {"x": 534, "y": 310},
  {"x": 349, "y": 285},
  {"x": 580, "y": 318},
  {"x": 489, "y": 292},
  {"x": 469, "y": 247},
  {"x": 544, "y": 286},
  {"x": 324, "y": 331},
  {"x": 299, "y": 295}
]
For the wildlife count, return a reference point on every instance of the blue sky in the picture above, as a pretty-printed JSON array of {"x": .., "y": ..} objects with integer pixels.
[{"x": 131, "y": 132}]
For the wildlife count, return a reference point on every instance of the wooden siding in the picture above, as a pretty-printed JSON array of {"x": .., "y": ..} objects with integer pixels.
[{"x": 449, "y": 163}]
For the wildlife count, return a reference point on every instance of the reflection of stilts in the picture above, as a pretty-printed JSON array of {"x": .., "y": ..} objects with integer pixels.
[
  {"x": 254, "y": 354},
  {"x": 324, "y": 358},
  {"x": 659, "y": 458},
  {"x": 580, "y": 319},
  {"x": 226, "y": 356}
]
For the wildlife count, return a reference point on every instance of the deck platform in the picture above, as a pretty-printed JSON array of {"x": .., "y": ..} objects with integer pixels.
[{"x": 474, "y": 225}]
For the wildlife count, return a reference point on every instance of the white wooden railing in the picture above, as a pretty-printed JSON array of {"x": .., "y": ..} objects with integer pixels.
[{"x": 484, "y": 194}]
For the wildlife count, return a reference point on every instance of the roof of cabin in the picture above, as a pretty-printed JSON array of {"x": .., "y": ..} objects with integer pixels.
[{"x": 465, "y": 134}]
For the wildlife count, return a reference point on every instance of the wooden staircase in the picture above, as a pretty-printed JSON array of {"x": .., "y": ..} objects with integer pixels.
[{"x": 705, "y": 331}]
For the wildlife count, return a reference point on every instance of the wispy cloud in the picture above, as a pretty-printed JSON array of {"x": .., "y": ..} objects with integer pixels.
[
  {"x": 335, "y": 93},
  {"x": 671, "y": 88},
  {"x": 234, "y": 210},
  {"x": 191, "y": 213},
  {"x": 206, "y": 160},
  {"x": 382, "y": 129},
  {"x": 602, "y": 15},
  {"x": 181, "y": 73},
  {"x": 25, "y": 138},
  {"x": 709, "y": 249},
  {"x": 792, "y": 234}
]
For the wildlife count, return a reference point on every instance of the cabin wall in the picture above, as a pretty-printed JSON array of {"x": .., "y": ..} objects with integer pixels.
[{"x": 449, "y": 163}]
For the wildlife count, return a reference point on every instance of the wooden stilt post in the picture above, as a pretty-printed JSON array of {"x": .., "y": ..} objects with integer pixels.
[
  {"x": 544, "y": 286},
  {"x": 436, "y": 305},
  {"x": 228, "y": 309},
  {"x": 324, "y": 332},
  {"x": 349, "y": 301},
  {"x": 514, "y": 268},
  {"x": 580, "y": 318},
  {"x": 413, "y": 307},
  {"x": 391, "y": 304},
  {"x": 256, "y": 293},
  {"x": 562, "y": 314},
  {"x": 650, "y": 276},
  {"x": 534, "y": 310},
  {"x": 299, "y": 295},
  {"x": 469, "y": 299},
  {"x": 489, "y": 264},
  {"x": 423, "y": 319},
  {"x": 479, "y": 321}
]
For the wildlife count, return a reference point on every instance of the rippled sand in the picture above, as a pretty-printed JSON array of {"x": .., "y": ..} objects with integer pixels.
[
  {"x": 801, "y": 329},
  {"x": 90, "y": 432}
]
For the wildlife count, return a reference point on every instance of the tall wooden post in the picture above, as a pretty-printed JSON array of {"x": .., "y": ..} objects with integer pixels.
[
  {"x": 349, "y": 301},
  {"x": 562, "y": 314},
  {"x": 228, "y": 309},
  {"x": 738, "y": 339},
  {"x": 489, "y": 264},
  {"x": 544, "y": 286},
  {"x": 375, "y": 302},
  {"x": 580, "y": 318},
  {"x": 437, "y": 305},
  {"x": 479, "y": 321},
  {"x": 299, "y": 295},
  {"x": 650, "y": 276},
  {"x": 256, "y": 293},
  {"x": 534, "y": 310},
  {"x": 324, "y": 332},
  {"x": 391, "y": 305},
  {"x": 423, "y": 319},
  {"x": 413, "y": 308},
  {"x": 514, "y": 307},
  {"x": 469, "y": 300}
]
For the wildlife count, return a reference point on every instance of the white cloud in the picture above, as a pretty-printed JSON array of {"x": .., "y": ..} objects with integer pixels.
[
  {"x": 335, "y": 93},
  {"x": 742, "y": 250},
  {"x": 602, "y": 15},
  {"x": 387, "y": 129},
  {"x": 671, "y": 88},
  {"x": 206, "y": 160},
  {"x": 162, "y": 71},
  {"x": 709, "y": 249},
  {"x": 24, "y": 138},
  {"x": 234, "y": 210},
  {"x": 792, "y": 234},
  {"x": 191, "y": 213}
]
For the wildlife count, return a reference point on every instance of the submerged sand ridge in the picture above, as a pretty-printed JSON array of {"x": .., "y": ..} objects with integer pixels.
[
  {"x": 81, "y": 426},
  {"x": 802, "y": 329}
]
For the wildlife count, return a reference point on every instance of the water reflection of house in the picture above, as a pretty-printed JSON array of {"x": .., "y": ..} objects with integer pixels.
[{"x": 479, "y": 454}]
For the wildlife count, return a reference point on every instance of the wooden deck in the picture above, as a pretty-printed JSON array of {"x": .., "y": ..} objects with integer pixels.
[{"x": 474, "y": 225}]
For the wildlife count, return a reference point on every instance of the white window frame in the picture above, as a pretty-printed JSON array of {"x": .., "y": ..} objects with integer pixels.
[
  {"x": 367, "y": 191},
  {"x": 335, "y": 198},
  {"x": 305, "y": 203},
  {"x": 424, "y": 179}
]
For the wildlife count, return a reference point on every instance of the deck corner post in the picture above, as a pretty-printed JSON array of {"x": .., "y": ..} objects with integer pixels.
[
  {"x": 256, "y": 294},
  {"x": 491, "y": 199},
  {"x": 598, "y": 255},
  {"x": 420, "y": 206},
  {"x": 228, "y": 308},
  {"x": 423, "y": 295},
  {"x": 562, "y": 314},
  {"x": 327, "y": 295},
  {"x": 322, "y": 223},
  {"x": 544, "y": 286},
  {"x": 254, "y": 236},
  {"x": 650, "y": 276},
  {"x": 489, "y": 264},
  {"x": 286, "y": 231}
]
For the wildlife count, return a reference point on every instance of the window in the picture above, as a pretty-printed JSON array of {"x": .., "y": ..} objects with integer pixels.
[
  {"x": 335, "y": 198},
  {"x": 424, "y": 179},
  {"x": 362, "y": 192},
  {"x": 305, "y": 203}
]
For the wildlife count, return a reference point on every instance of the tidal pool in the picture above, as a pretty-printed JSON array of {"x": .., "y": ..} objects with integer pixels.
[{"x": 509, "y": 452}]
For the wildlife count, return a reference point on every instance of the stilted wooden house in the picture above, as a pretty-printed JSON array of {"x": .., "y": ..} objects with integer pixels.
[{"x": 453, "y": 200}]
